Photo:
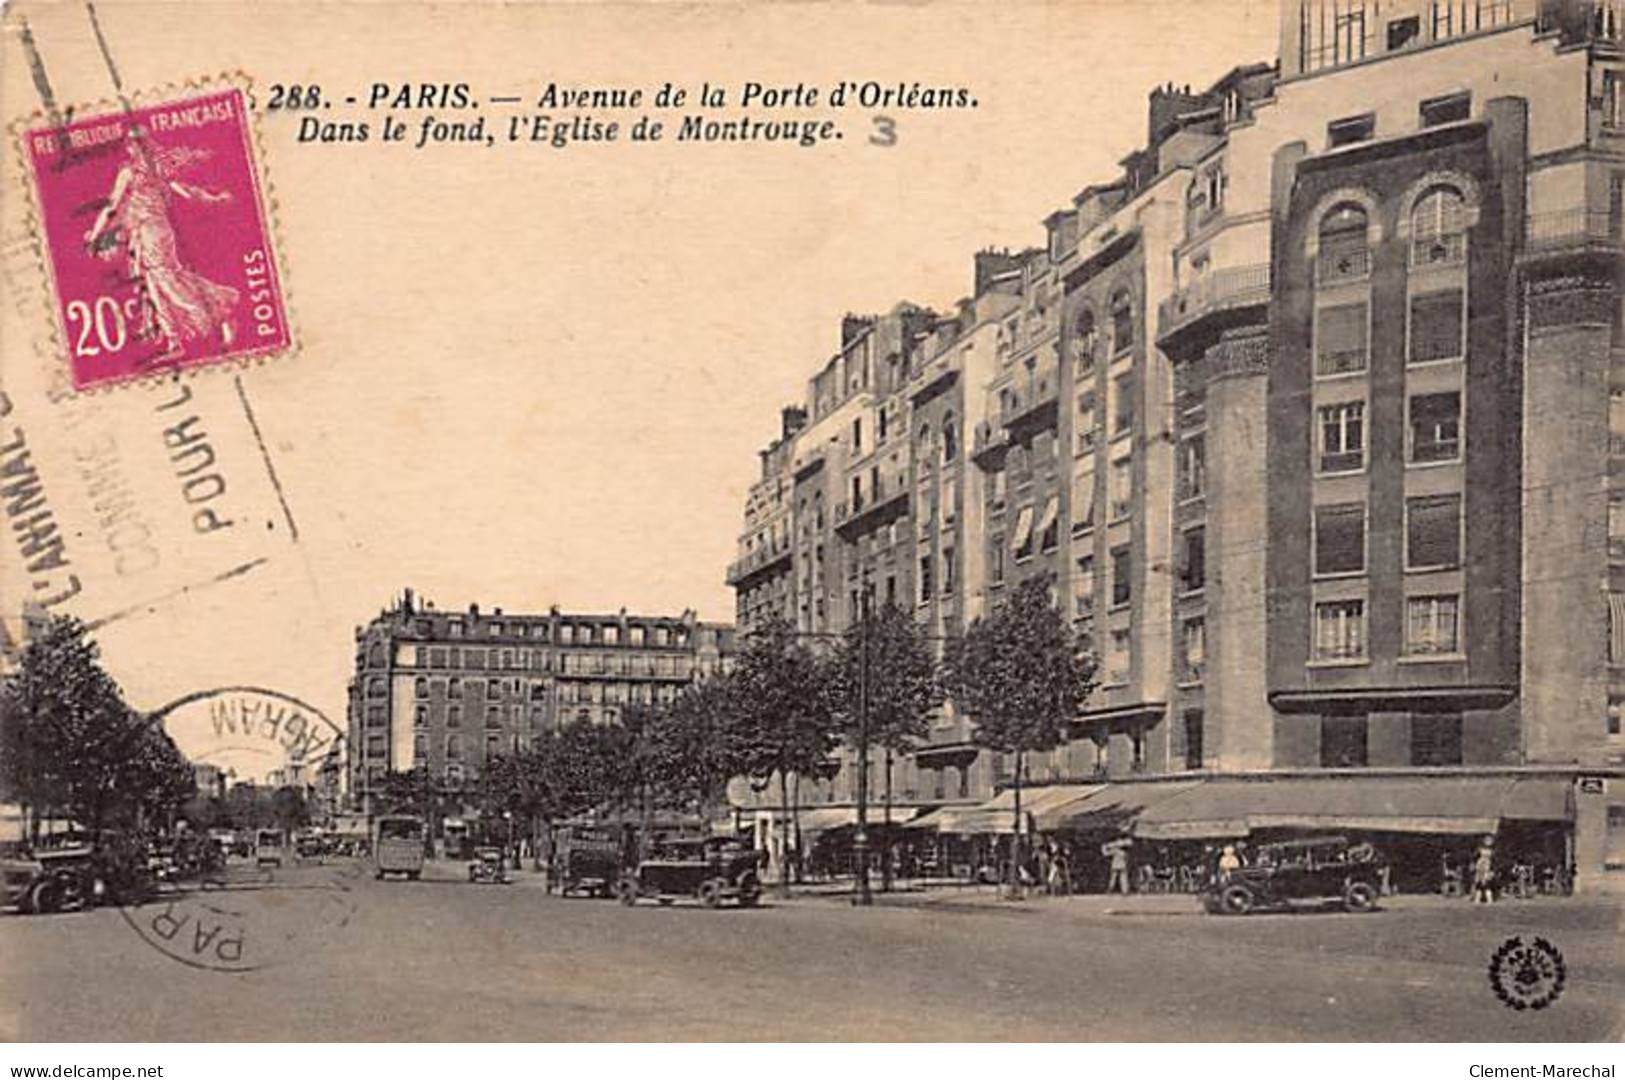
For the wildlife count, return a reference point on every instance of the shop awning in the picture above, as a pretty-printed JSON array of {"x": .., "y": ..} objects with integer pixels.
[
  {"x": 824, "y": 818},
  {"x": 1421, "y": 804},
  {"x": 1041, "y": 806},
  {"x": 1117, "y": 806}
]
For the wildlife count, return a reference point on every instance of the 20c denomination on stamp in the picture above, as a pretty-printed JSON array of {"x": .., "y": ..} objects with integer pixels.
[{"x": 157, "y": 242}]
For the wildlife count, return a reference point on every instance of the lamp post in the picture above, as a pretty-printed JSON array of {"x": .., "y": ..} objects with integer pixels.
[{"x": 860, "y": 841}]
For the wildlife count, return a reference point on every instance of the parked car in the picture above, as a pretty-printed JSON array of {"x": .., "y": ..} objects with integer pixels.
[
  {"x": 490, "y": 865},
  {"x": 587, "y": 858},
  {"x": 712, "y": 870},
  {"x": 1323, "y": 869},
  {"x": 268, "y": 850},
  {"x": 46, "y": 881}
]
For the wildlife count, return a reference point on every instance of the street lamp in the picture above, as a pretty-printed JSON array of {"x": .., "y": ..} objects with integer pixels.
[
  {"x": 507, "y": 815},
  {"x": 860, "y": 841}
]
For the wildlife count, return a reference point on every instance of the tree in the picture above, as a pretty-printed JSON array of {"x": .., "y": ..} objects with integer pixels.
[
  {"x": 885, "y": 664},
  {"x": 68, "y": 741},
  {"x": 1021, "y": 674},
  {"x": 783, "y": 715},
  {"x": 697, "y": 744}
]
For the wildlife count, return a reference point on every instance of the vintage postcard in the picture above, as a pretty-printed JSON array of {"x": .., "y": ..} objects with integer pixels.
[{"x": 814, "y": 522}]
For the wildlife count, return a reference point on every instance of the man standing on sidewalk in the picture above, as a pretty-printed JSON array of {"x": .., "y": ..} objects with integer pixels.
[{"x": 1117, "y": 852}]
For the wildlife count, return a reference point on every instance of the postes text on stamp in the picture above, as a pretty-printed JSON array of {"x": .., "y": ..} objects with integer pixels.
[{"x": 156, "y": 237}]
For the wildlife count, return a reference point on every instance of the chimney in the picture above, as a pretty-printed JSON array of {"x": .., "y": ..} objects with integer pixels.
[{"x": 473, "y": 609}]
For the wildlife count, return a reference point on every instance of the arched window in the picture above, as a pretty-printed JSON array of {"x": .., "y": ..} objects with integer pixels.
[
  {"x": 1122, "y": 321},
  {"x": 375, "y": 656},
  {"x": 950, "y": 438},
  {"x": 1084, "y": 343},
  {"x": 1344, "y": 250},
  {"x": 376, "y": 686},
  {"x": 454, "y": 747},
  {"x": 1438, "y": 227}
]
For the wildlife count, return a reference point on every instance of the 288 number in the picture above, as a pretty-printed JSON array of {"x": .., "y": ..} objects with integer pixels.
[{"x": 295, "y": 97}]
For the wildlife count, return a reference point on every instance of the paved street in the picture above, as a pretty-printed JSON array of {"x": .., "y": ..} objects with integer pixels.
[{"x": 445, "y": 960}]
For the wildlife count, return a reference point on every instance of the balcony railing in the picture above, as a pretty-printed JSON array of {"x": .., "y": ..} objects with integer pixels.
[
  {"x": 1573, "y": 228},
  {"x": 1221, "y": 290},
  {"x": 1340, "y": 361},
  {"x": 1350, "y": 264},
  {"x": 756, "y": 560},
  {"x": 1445, "y": 249}
]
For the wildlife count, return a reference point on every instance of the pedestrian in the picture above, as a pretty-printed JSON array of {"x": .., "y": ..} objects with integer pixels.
[
  {"x": 1042, "y": 857},
  {"x": 1057, "y": 870},
  {"x": 1117, "y": 852},
  {"x": 1229, "y": 862},
  {"x": 1484, "y": 872}
]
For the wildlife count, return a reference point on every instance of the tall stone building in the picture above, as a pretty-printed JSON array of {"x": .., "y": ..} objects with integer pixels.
[{"x": 1313, "y": 417}]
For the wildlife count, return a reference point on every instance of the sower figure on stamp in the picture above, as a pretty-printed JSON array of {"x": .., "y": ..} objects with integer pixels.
[{"x": 178, "y": 302}]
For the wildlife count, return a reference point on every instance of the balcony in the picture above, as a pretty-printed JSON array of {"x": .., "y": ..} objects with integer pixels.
[
  {"x": 1579, "y": 230},
  {"x": 756, "y": 562},
  {"x": 1216, "y": 300},
  {"x": 991, "y": 441},
  {"x": 1039, "y": 409},
  {"x": 1334, "y": 267},
  {"x": 934, "y": 376},
  {"x": 890, "y": 501}
]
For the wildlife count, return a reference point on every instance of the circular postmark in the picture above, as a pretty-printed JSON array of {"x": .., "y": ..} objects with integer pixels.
[
  {"x": 1527, "y": 975},
  {"x": 249, "y": 912}
]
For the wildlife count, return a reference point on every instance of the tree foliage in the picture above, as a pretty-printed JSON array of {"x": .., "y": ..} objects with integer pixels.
[
  {"x": 903, "y": 686},
  {"x": 69, "y": 742}
]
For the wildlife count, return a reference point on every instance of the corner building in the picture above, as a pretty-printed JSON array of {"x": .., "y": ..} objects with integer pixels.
[
  {"x": 1314, "y": 417},
  {"x": 446, "y": 691}
]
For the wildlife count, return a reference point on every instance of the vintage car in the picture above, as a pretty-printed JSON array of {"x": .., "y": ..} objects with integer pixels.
[
  {"x": 587, "y": 858},
  {"x": 711, "y": 869},
  {"x": 489, "y": 865},
  {"x": 42, "y": 882},
  {"x": 1322, "y": 869}
]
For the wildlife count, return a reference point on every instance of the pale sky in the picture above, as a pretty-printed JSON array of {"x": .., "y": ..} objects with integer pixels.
[{"x": 535, "y": 376}]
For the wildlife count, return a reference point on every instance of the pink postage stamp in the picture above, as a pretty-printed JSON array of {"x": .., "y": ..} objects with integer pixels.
[{"x": 156, "y": 237}]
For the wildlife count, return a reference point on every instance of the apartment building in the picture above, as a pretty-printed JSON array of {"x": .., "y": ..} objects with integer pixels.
[
  {"x": 1314, "y": 417},
  {"x": 446, "y": 691}
]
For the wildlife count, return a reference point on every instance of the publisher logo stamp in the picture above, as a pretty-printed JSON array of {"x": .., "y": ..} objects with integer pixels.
[
  {"x": 156, "y": 237},
  {"x": 1527, "y": 975}
]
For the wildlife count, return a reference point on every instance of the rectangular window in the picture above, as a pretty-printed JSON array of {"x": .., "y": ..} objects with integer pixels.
[
  {"x": 1341, "y": 332},
  {"x": 1193, "y": 466},
  {"x": 1340, "y": 630},
  {"x": 1342, "y": 742},
  {"x": 1193, "y": 636},
  {"x": 1122, "y": 484},
  {"x": 947, "y": 571},
  {"x": 1435, "y": 427},
  {"x": 998, "y": 487},
  {"x": 1084, "y": 424},
  {"x": 996, "y": 560},
  {"x": 1083, "y": 586},
  {"x": 1342, "y": 437},
  {"x": 1432, "y": 625},
  {"x": 1083, "y": 499},
  {"x": 1120, "y": 659},
  {"x": 925, "y": 578},
  {"x": 1351, "y": 129},
  {"x": 1122, "y": 582},
  {"x": 1193, "y": 738},
  {"x": 1433, "y": 532},
  {"x": 1193, "y": 564},
  {"x": 1448, "y": 109},
  {"x": 1123, "y": 403},
  {"x": 1436, "y": 738},
  {"x": 1436, "y": 326},
  {"x": 1049, "y": 526},
  {"x": 1613, "y": 98},
  {"x": 1022, "y": 543},
  {"x": 454, "y": 716},
  {"x": 1340, "y": 539}
]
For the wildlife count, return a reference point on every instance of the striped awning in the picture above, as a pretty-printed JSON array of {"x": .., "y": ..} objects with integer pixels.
[
  {"x": 1616, "y": 628},
  {"x": 1462, "y": 805},
  {"x": 1042, "y": 808}
]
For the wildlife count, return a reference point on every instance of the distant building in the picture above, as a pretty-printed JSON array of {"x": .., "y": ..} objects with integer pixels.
[
  {"x": 210, "y": 779},
  {"x": 446, "y": 691}
]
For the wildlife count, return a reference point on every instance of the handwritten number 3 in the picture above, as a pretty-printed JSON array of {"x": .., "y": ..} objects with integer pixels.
[{"x": 885, "y": 132}]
